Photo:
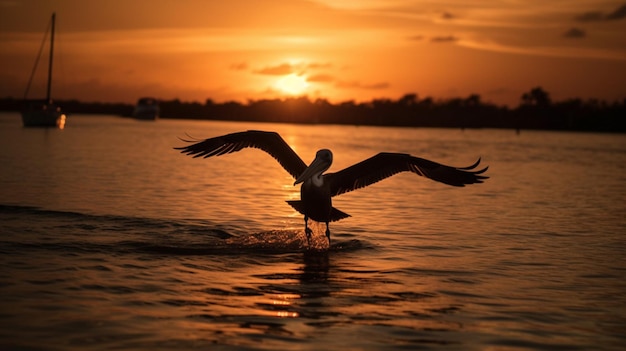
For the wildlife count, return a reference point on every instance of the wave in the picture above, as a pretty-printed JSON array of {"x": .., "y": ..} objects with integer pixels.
[{"x": 34, "y": 228}]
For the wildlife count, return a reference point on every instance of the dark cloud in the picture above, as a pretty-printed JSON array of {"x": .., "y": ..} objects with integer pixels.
[
  {"x": 575, "y": 33},
  {"x": 590, "y": 16},
  {"x": 444, "y": 39},
  {"x": 416, "y": 37},
  {"x": 594, "y": 16},
  {"x": 376, "y": 86},
  {"x": 359, "y": 85},
  {"x": 279, "y": 70},
  {"x": 618, "y": 14},
  {"x": 447, "y": 16}
]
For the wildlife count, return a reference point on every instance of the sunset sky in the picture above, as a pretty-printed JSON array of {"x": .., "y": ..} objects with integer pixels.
[{"x": 119, "y": 50}]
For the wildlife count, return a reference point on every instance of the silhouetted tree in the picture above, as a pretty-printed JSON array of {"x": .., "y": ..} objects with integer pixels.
[
  {"x": 536, "y": 97},
  {"x": 408, "y": 100},
  {"x": 473, "y": 100}
]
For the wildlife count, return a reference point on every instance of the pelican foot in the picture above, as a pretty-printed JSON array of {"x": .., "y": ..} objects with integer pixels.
[
  {"x": 328, "y": 234},
  {"x": 308, "y": 233}
]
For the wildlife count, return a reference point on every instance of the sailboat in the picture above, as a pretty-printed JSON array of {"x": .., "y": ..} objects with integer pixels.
[{"x": 43, "y": 113}]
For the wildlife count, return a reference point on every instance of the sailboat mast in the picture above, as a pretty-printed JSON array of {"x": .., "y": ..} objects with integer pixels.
[{"x": 50, "y": 60}]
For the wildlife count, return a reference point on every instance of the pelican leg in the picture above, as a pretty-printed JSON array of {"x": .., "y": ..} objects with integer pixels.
[
  {"x": 307, "y": 230},
  {"x": 328, "y": 234}
]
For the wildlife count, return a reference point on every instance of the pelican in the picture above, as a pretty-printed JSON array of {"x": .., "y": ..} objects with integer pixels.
[{"x": 318, "y": 189}]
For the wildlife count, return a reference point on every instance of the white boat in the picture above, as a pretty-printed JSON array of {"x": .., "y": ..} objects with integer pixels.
[
  {"x": 147, "y": 108},
  {"x": 43, "y": 113}
]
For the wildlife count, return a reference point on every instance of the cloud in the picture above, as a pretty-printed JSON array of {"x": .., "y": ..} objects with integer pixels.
[
  {"x": 242, "y": 66},
  {"x": 359, "y": 85},
  {"x": 416, "y": 37},
  {"x": 547, "y": 51},
  {"x": 285, "y": 68},
  {"x": 444, "y": 39},
  {"x": 316, "y": 65},
  {"x": 594, "y": 16},
  {"x": 590, "y": 16},
  {"x": 575, "y": 33},
  {"x": 447, "y": 16},
  {"x": 618, "y": 14},
  {"x": 376, "y": 86},
  {"x": 435, "y": 39},
  {"x": 278, "y": 70}
]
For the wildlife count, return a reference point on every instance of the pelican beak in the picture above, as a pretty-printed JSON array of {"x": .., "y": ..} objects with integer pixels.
[{"x": 318, "y": 166}]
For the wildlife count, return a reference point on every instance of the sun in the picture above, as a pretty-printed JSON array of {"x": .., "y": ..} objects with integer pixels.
[{"x": 292, "y": 84}]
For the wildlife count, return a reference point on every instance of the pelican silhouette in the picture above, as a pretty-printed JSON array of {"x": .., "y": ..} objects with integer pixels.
[{"x": 317, "y": 188}]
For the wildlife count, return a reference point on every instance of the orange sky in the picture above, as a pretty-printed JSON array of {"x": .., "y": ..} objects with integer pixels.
[{"x": 119, "y": 50}]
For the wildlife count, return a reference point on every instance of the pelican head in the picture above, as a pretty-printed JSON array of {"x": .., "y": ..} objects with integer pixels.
[{"x": 323, "y": 160}]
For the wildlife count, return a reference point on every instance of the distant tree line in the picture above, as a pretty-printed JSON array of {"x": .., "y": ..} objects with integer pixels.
[{"x": 535, "y": 111}]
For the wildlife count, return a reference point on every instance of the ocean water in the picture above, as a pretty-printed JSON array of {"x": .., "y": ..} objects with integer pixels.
[{"x": 110, "y": 239}]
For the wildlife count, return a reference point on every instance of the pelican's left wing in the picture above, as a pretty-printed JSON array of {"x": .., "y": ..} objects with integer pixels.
[
  {"x": 270, "y": 142},
  {"x": 384, "y": 165}
]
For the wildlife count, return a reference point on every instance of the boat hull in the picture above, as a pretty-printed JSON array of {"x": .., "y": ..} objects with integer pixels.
[
  {"x": 147, "y": 109},
  {"x": 146, "y": 113},
  {"x": 43, "y": 118}
]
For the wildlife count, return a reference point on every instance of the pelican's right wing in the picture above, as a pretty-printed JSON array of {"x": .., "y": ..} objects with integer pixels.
[
  {"x": 270, "y": 142},
  {"x": 385, "y": 164}
]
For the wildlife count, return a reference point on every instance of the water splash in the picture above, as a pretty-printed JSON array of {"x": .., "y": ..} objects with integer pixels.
[
  {"x": 273, "y": 240},
  {"x": 283, "y": 240}
]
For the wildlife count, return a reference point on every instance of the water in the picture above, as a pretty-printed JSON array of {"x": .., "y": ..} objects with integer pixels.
[{"x": 112, "y": 240}]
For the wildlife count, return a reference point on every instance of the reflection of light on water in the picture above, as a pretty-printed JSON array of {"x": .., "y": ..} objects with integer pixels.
[
  {"x": 285, "y": 300},
  {"x": 292, "y": 192},
  {"x": 61, "y": 121},
  {"x": 292, "y": 140},
  {"x": 285, "y": 314}
]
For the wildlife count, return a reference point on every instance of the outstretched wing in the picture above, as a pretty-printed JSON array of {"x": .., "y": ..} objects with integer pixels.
[
  {"x": 385, "y": 165},
  {"x": 270, "y": 142}
]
